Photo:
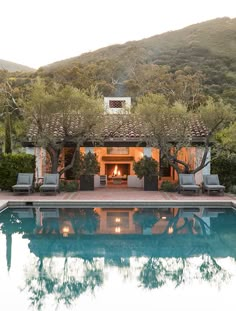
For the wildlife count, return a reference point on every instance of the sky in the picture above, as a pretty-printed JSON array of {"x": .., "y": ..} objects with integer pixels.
[{"x": 39, "y": 32}]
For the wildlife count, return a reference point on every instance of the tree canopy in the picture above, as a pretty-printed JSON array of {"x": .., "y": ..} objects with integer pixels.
[
  {"x": 169, "y": 126},
  {"x": 79, "y": 115}
]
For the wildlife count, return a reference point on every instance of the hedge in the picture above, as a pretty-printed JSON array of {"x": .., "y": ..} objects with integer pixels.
[
  {"x": 11, "y": 165},
  {"x": 225, "y": 167}
]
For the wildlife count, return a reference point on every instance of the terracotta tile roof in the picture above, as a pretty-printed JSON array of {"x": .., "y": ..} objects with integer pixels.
[
  {"x": 117, "y": 128},
  {"x": 122, "y": 127}
]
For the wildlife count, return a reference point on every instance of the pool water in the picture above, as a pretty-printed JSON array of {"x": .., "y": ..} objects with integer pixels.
[{"x": 117, "y": 258}]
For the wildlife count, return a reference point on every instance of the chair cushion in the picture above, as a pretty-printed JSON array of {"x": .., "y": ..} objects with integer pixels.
[
  {"x": 50, "y": 180},
  {"x": 214, "y": 187},
  {"x": 187, "y": 180},
  {"x": 23, "y": 179},
  {"x": 212, "y": 180}
]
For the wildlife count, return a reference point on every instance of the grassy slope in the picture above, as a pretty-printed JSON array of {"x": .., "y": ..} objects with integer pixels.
[
  {"x": 12, "y": 67},
  {"x": 217, "y": 37}
]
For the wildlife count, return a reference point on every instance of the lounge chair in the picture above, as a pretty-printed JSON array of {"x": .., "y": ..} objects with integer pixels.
[
  {"x": 212, "y": 183},
  {"x": 24, "y": 183},
  {"x": 187, "y": 183},
  {"x": 50, "y": 184}
]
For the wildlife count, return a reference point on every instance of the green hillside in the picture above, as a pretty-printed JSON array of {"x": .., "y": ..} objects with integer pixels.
[
  {"x": 207, "y": 49},
  {"x": 13, "y": 67}
]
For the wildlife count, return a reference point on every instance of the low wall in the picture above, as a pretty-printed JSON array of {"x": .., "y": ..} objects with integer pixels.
[{"x": 134, "y": 182}]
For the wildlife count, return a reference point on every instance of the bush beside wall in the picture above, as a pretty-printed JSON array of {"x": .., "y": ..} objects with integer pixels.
[
  {"x": 11, "y": 165},
  {"x": 225, "y": 167},
  {"x": 69, "y": 186},
  {"x": 168, "y": 186}
]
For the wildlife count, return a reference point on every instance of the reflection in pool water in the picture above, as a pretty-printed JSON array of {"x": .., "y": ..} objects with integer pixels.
[{"x": 80, "y": 259}]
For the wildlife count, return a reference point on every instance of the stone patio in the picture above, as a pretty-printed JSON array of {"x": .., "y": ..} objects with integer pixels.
[{"x": 116, "y": 193}]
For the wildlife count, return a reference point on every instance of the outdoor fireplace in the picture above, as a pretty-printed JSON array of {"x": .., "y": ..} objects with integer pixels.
[{"x": 115, "y": 170}]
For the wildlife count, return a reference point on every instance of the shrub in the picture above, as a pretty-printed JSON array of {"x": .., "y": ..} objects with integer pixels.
[
  {"x": 62, "y": 185},
  {"x": 89, "y": 164},
  {"x": 71, "y": 186},
  {"x": 225, "y": 167},
  {"x": 232, "y": 189},
  {"x": 167, "y": 186},
  {"x": 11, "y": 165},
  {"x": 147, "y": 166}
]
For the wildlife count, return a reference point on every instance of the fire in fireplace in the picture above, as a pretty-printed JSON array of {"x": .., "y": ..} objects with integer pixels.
[
  {"x": 116, "y": 172},
  {"x": 117, "y": 169}
]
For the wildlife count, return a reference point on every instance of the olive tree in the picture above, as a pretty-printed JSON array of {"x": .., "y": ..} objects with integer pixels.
[
  {"x": 60, "y": 116},
  {"x": 227, "y": 138},
  {"x": 169, "y": 127}
]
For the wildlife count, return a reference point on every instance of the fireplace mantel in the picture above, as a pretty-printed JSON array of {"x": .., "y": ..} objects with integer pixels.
[{"x": 117, "y": 159}]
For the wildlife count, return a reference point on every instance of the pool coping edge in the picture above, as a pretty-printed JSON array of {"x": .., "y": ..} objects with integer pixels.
[{"x": 117, "y": 203}]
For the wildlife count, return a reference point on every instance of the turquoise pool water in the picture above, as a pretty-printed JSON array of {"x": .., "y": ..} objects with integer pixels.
[{"x": 117, "y": 258}]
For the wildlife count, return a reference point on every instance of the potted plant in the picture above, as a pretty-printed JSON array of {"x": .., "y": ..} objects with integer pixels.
[
  {"x": 89, "y": 166},
  {"x": 147, "y": 168}
]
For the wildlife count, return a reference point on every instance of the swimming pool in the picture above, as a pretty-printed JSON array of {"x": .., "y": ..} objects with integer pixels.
[{"x": 117, "y": 258}]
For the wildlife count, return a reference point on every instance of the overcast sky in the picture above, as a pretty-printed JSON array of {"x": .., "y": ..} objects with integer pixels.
[{"x": 39, "y": 32}]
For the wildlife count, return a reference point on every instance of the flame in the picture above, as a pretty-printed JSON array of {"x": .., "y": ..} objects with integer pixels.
[{"x": 115, "y": 170}]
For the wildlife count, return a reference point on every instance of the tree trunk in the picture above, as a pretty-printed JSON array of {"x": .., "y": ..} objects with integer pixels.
[
  {"x": 8, "y": 145},
  {"x": 174, "y": 162},
  {"x": 54, "y": 157},
  {"x": 55, "y": 163},
  {"x": 75, "y": 159}
]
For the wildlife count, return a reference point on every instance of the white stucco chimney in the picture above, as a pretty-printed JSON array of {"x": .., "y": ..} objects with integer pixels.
[{"x": 117, "y": 104}]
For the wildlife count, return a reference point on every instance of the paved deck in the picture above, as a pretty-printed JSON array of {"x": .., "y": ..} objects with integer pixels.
[{"x": 116, "y": 194}]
